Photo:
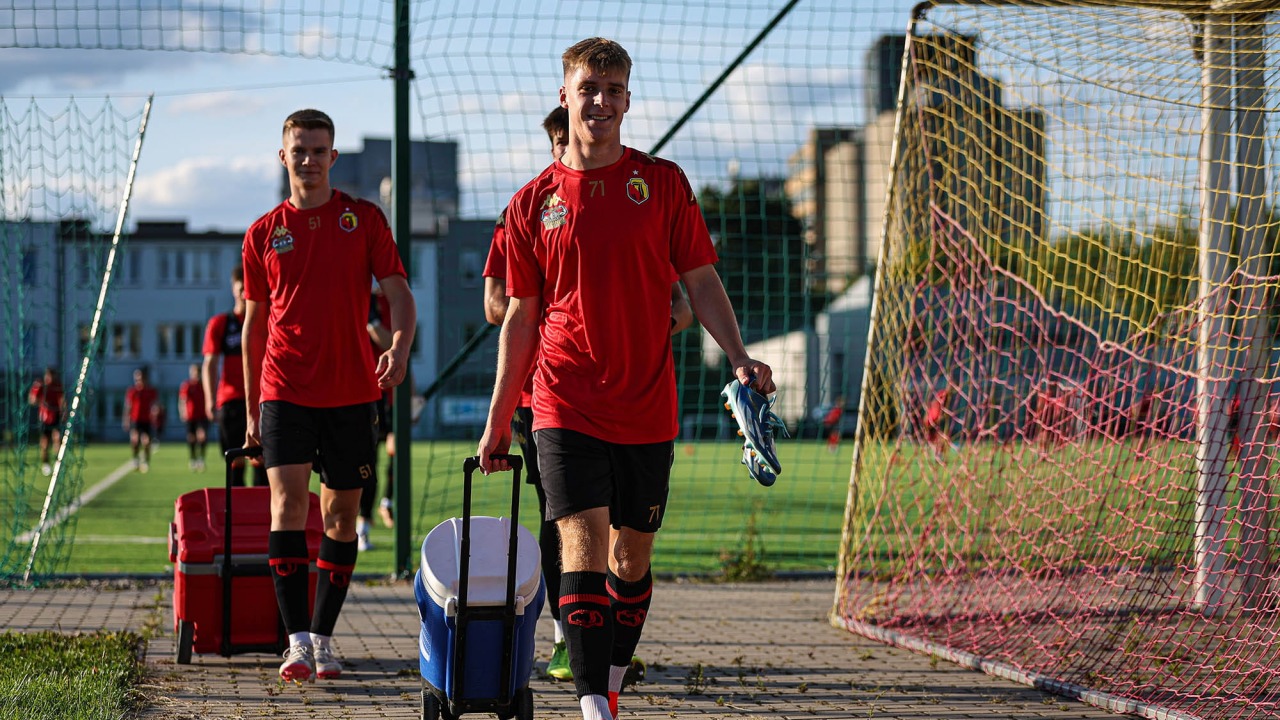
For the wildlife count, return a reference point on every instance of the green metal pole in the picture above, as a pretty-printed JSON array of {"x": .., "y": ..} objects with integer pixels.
[{"x": 401, "y": 168}]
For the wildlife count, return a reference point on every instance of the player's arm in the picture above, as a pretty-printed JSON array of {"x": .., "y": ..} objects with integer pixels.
[
  {"x": 182, "y": 403},
  {"x": 681, "y": 313},
  {"x": 253, "y": 349},
  {"x": 715, "y": 312},
  {"x": 517, "y": 344},
  {"x": 126, "y": 409},
  {"x": 393, "y": 364},
  {"x": 209, "y": 371},
  {"x": 495, "y": 300}
]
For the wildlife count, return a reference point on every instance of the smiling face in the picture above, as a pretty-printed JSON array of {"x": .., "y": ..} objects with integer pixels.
[
  {"x": 307, "y": 154},
  {"x": 597, "y": 102}
]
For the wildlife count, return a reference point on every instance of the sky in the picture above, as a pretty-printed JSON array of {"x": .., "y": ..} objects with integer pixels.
[{"x": 485, "y": 77}]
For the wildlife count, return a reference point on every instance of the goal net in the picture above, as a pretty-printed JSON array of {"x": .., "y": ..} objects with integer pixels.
[
  {"x": 64, "y": 174},
  {"x": 1065, "y": 463}
]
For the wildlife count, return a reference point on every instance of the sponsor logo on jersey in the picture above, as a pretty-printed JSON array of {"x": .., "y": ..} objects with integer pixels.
[
  {"x": 281, "y": 240},
  {"x": 553, "y": 212},
  {"x": 637, "y": 190},
  {"x": 347, "y": 221}
]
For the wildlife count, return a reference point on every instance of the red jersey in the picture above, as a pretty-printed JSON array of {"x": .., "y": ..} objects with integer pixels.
[
  {"x": 933, "y": 416},
  {"x": 311, "y": 271},
  {"x": 191, "y": 395},
  {"x": 222, "y": 337},
  {"x": 138, "y": 402},
  {"x": 48, "y": 401},
  {"x": 601, "y": 248},
  {"x": 495, "y": 266}
]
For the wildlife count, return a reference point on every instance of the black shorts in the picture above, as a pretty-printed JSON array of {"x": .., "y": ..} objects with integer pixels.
[
  {"x": 383, "y": 410},
  {"x": 142, "y": 428},
  {"x": 343, "y": 441},
  {"x": 48, "y": 429},
  {"x": 580, "y": 472},
  {"x": 522, "y": 434},
  {"x": 196, "y": 425},
  {"x": 232, "y": 424}
]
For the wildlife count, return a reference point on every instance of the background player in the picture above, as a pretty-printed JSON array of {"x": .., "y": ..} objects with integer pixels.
[
  {"x": 195, "y": 415},
  {"x": 139, "y": 407},
  {"x": 310, "y": 383},
  {"x": 50, "y": 401},
  {"x": 596, "y": 317},
  {"x": 223, "y": 378}
]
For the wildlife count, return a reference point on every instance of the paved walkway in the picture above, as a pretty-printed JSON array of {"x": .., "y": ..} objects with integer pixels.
[{"x": 714, "y": 651}]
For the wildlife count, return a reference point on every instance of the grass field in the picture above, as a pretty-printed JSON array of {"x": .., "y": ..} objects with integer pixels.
[
  {"x": 48, "y": 676},
  {"x": 715, "y": 509}
]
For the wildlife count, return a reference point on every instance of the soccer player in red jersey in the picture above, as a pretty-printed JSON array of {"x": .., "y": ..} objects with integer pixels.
[
  {"x": 50, "y": 401},
  {"x": 223, "y": 378},
  {"x": 139, "y": 406},
  {"x": 195, "y": 414},
  {"x": 594, "y": 243},
  {"x": 935, "y": 421},
  {"x": 310, "y": 381},
  {"x": 556, "y": 125}
]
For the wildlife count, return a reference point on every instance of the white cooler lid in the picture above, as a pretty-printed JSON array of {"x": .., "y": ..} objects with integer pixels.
[{"x": 490, "y": 538}]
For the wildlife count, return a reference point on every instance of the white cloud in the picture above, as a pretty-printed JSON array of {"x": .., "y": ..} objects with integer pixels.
[
  {"x": 220, "y": 104},
  {"x": 208, "y": 192}
]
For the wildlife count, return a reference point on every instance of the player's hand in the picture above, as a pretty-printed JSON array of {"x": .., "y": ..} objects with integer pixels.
[
  {"x": 391, "y": 370},
  {"x": 762, "y": 374},
  {"x": 495, "y": 441},
  {"x": 210, "y": 411},
  {"x": 252, "y": 437}
]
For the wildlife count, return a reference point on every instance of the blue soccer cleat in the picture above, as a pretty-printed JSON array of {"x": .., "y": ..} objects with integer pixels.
[{"x": 756, "y": 425}]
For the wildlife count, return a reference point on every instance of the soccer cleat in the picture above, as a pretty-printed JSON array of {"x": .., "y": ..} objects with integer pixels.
[
  {"x": 299, "y": 664},
  {"x": 364, "y": 542},
  {"x": 46, "y": 469},
  {"x": 144, "y": 468},
  {"x": 635, "y": 672},
  {"x": 327, "y": 666},
  {"x": 756, "y": 424},
  {"x": 558, "y": 666}
]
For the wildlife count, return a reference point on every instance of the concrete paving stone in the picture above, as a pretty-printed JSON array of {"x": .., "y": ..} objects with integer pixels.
[{"x": 760, "y": 650}]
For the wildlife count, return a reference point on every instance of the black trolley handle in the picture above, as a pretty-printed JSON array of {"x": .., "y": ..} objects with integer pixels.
[
  {"x": 469, "y": 466},
  {"x": 231, "y": 455}
]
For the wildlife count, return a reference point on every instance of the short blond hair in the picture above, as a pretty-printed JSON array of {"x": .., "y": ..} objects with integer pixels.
[
  {"x": 598, "y": 55},
  {"x": 309, "y": 119}
]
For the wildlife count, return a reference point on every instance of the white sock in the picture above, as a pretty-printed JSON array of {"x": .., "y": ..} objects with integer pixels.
[
  {"x": 559, "y": 627},
  {"x": 595, "y": 707},
  {"x": 616, "y": 673},
  {"x": 301, "y": 638},
  {"x": 362, "y": 526},
  {"x": 321, "y": 641}
]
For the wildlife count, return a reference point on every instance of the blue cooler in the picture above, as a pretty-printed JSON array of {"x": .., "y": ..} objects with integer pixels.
[{"x": 437, "y": 589}]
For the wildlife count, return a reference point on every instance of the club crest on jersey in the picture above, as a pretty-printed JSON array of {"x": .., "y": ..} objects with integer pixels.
[
  {"x": 637, "y": 190},
  {"x": 554, "y": 212},
  {"x": 347, "y": 221},
  {"x": 281, "y": 240}
]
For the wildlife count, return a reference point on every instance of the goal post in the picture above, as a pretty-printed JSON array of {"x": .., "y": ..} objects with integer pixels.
[{"x": 1079, "y": 244}]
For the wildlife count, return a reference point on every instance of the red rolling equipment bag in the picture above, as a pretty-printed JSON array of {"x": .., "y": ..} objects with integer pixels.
[{"x": 224, "y": 601}]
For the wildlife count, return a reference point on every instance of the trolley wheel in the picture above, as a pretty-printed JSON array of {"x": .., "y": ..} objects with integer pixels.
[
  {"x": 430, "y": 705},
  {"x": 186, "y": 637},
  {"x": 524, "y": 704}
]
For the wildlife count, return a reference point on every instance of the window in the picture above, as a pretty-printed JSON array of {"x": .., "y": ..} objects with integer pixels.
[
  {"x": 197, "y": 340},
  {"x": 188, "y": 267},
  {"x": 126, "y": 340},
  {"x": 83, "y": 332},
  {"x": 470, "y": 269},
  {"x": 165, "y": 341},
  {"x": 30, "y": 335},
  {"x": 130, "y": 268},
  {"x": 30, "y": 259}
]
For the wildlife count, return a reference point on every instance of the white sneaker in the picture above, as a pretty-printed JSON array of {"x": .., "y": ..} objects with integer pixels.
[
  {"x": 364, "y": 542},
  {"x": 327, "y": 666},
  {"x": 299, "y": 664},
  {"x": 191, "y": 465},
  {"x": 46, "y": 469},
  {"x": 144, "y": 468},
  {"x": 136, "y": 463}
]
